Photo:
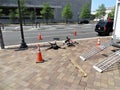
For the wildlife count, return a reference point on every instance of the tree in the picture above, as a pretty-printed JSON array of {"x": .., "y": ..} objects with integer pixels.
[
  {"x": 101, "y": 11},
  {"x": 92, "y": 16},
  {"x": 47, "y": 12},
  {"x": 67, "y": 12},
  {"x": 17, "y": 13},
  {"x": 111, "y": 14},
  {"x": 12, "y": 15},
  {"x": 85, "y": 13},
  {"x": 24, "y": 11},
  {"x": 32, "y": 16},
  {"x": 1, "y": 12}
]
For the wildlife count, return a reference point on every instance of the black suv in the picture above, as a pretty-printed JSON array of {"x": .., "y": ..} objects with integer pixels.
[
  {"x": 83, "y": 21},
  {"x": 104, "y": 27}
]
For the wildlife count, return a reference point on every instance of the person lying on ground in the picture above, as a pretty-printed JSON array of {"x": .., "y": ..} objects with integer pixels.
[
  {"x": 54, "y": 46},
  {"x": 69, "y": 42}
]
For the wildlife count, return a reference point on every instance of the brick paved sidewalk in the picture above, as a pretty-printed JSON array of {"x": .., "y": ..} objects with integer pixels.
[{"x": 19, "y": 70}]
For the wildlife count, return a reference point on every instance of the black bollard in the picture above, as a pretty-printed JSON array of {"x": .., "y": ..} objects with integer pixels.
[{"x": 1, "y": 39}]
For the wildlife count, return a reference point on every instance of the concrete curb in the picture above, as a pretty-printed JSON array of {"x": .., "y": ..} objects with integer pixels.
[{"x": 43, "y": 43}]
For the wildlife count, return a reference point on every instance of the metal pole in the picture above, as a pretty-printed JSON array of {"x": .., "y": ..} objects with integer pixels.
[
  {"x": 1, "y": 39},
  {"x": 23, "y": 44}
]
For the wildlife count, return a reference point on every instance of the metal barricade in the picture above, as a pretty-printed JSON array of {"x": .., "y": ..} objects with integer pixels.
[
  {"x": 95, "y": 50},
  {"x": 113, "y": 58}
]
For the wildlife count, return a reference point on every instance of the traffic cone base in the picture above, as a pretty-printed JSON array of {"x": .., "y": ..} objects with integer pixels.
[
  {"x": 39, "y": 58},
  {"x": 98, "y": 42},
  {"x": 40, "y": 61}
]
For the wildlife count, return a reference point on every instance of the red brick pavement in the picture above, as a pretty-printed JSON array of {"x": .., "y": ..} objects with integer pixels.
[{"x": 19, "y": 71}]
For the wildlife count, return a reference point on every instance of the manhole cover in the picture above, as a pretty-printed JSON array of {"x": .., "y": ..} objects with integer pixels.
[{"x": 56, "y": 38}]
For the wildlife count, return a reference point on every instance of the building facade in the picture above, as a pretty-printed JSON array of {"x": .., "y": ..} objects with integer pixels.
[{"x": 57, "y": 5}]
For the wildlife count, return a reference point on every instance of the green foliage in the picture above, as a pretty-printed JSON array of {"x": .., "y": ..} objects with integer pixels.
[
  {"x": 17, "y": 13},
  {"x": 97, "y": 15},
  {"x": 85, "y": 13},
  {"x": 24, "y": 11},
  {"x": 92, "y": 17},
  {"x": 1, "y": 12},
  {"x": 67, "y": 12},
  {"x": 111, "y": 14},
  {"x": 23, "y": 8},
  {"x": 32, "y": 16},
  {"x": 46, "y": 12},
  {"x": 101, "y": 11},
  {"x": 12, "y": 15}
]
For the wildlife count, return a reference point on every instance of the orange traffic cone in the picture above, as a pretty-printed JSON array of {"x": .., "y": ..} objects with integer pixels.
[
  {"x": 39, "y": 37},
  {"x": 98, "y": 42},
  {"x": 39, "y": 56},
  {"x": 75, "y": 33}
]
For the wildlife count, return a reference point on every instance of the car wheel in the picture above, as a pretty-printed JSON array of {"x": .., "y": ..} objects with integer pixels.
[
  {"x": 110, "y": 34},
  {"x": 107, "y": 33},
  {"x": 99, "y": 34}
]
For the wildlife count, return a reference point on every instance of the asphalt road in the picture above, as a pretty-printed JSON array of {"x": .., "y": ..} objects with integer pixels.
[{"x": 12, "y": 35}]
